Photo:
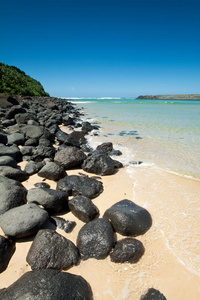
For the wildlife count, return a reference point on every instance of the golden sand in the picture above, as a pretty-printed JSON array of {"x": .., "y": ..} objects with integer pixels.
[{"x": 171, "y": 259}]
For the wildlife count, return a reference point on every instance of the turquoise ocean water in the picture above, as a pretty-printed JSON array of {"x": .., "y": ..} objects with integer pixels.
[{"x": 159, "y": 132}]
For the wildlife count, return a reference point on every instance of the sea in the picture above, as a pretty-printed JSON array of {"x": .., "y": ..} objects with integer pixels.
[{"x": 163, "y": 133}]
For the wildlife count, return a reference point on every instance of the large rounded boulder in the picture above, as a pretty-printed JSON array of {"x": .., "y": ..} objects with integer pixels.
[
  {"x": 49, "y": 285},
  {"x": 23, "y": 221},
  {"x": 50, "y": 250},
  {"x": 128, "y": 218},
  {"x": 13, "y": 194},
  {"x": 69, "y": 157}
]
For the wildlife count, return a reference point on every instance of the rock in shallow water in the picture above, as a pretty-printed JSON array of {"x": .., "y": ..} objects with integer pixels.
[
  {"x": 50, "y": 250},
  {"x": 128, "y": 218},
  {"x": 96, "y": 239},
  {"x": 99, "y": 163},
  {"x": 127, "y": 250},
  {"x": 49, "y": 285},
  {"x": 153, "y": 294}
]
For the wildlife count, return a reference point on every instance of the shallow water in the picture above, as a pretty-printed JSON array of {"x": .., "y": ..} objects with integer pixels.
[{"x": 165, "y": 133}]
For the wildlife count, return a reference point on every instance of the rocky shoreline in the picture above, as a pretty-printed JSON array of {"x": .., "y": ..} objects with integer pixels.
[
  {"x": 30, "y": 131},
  {"x": 171, "y": 97}
]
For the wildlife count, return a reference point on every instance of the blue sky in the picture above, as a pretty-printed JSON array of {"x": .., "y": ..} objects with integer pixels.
[{"x": 97, "y": 48}]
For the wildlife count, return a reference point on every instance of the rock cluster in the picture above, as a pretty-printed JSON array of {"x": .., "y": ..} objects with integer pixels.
[{"x": 29, "y": 131}]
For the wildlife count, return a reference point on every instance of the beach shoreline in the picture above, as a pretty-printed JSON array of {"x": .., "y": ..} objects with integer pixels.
[{"x": 170, "y": 262}]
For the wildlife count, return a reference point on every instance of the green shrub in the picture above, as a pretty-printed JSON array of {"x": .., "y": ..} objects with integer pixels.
[{"x": 16, "y": 82}]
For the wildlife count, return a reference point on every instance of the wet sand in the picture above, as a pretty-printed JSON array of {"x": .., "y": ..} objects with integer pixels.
[{"x": 171, "y": 259}]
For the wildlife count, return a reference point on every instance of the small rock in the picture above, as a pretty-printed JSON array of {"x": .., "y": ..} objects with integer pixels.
[
  {"x": 42, "y": 185},
  {"x": 63, "y": 224},
  {"x": 83, "y": 208},
  {"x": 33, "y": 167},
  {"x": 52, "y": 171},
  {"x": 96, "y": 239},
  {"x": 153, "y": 294},
  {"x": 127, "y": 250}
]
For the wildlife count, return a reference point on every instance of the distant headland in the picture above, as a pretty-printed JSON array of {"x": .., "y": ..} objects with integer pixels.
[{"x": 171, "y": 97}]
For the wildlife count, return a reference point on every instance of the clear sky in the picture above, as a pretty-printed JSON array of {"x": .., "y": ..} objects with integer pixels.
[{"x": 97, "y": 48}]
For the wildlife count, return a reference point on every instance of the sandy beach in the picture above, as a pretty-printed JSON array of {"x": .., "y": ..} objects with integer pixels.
[{"x": 169, "y": 263}]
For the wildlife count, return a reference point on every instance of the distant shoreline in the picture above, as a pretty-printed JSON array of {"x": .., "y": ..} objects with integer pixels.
[{"x": 171, "y": 97}]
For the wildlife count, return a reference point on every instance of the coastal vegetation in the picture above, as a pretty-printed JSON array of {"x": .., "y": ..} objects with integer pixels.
[{"x": 15, "y": 81}]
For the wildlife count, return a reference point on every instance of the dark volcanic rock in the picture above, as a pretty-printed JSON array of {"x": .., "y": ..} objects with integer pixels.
[
  {"x": 99, "y": 163},
  {"x": 8, "y": 161},
  {"x": 31, "y": 142},
  {"x": 9, "y": 122},
  {"x": 25, "y": 118},
  {"x": 50, "y": 250},
  {"x": 153, "y": 294},
  {"x": 13, "y": 194},
  {"x": 32, "y": 131},
  {"x": 78, "y": 136},
  {"x": 42, "y": 185},
  {"x": 13, "y": 173},
  {"x": 41, "y": 152},
  {"x": 83, "y": 208},
  {"x": 61, "y": 135},
  {"x": 49, "y": 285},
  {"x": 52, "y": 171},
  {"x": 63, "y": 224},
  {"x": 69, "y": 157},
  {"x": 23, "y": 221},
  {"x": 45, "y": 142},
  {"x": 27, "y": 150},
  {"x": 80, "y": 185},
  {"x": 53, "y": 201},
  {"x": 16, "y": 109},
  {"x": 96, "y": 239},
  {"x": 7, "y": 248},
  {"x": 106, "y": 147},
  {"x": 128, "y": 218},
  {"x": 12, "y": 151},
  {"x": 67, "y": 120},
  {"x": 3, "y": 139},
  {"x": 87, "y": 127},
  {"x": 7, "y": 101},
  {"x": 127, "y": 250},
  {"x": 33, "y": 167}
]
